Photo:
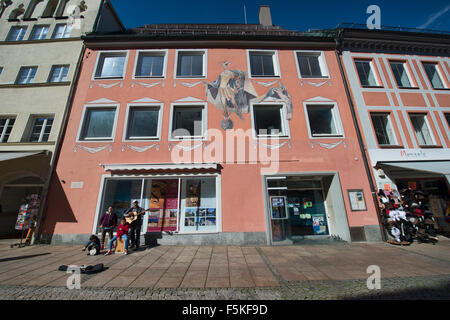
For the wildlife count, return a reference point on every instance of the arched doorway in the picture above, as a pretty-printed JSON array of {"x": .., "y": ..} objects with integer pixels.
[{"x": 12, "y": 196}]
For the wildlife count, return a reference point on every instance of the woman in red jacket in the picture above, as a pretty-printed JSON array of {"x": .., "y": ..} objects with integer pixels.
[{"x": 122, "y": 233}]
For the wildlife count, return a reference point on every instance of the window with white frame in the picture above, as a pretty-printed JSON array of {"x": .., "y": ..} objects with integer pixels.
[
  {"x": 41, "y": 128},
  {"x": 61, "y": 31},
  {"x": 58, "y": 73},
  {"x": 26, "y": 75},
  {"x": 263, "y": 64},
  {"x": 110, "y": 65},
  {"x": 422, "y": 129},
  {"x": 269, "y": 120},
  {"x": 98, "y": 123},
  {"x": 400, "y": 74},
  {"x": 323, "y": 120},
  {"x": 311, "y": 65},
  {"x": 383, "y": 129},
  {"x": 143, "y": 122},
  {"x": 191, "y": 64},
  {"x": 188, "y": 121},
  {"x": 39, "y": 33},
  {"x": 16, "y": 33},
  {"x": 365, "y": 73},
  {"x": 432, "y": 72},
  {"x": 6, "y": 125},
  {"x": 150, "y": 64}
]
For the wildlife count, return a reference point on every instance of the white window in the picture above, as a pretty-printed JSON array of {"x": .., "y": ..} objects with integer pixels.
[
  {"x": 39, "y": 33},
  {"x": 188, "y": 121},
  {"x": 433, "y": 75},
  {"x": 365, "y": 73},
  {"x": 191, "y": 64},
  {"x": 422, "y": 129},
  {"x": 263, "y": 64},
  {"x": 62, "y": 30},
  {"x": 311, "y": 64},
  {"x": 26, "y": 75},
  {"x": 98, "y": 123},
  {"x": 41, "y": 129},
  {"x": 323, "y": 120},
  {"x": 383, "y": 129},
  {"x": 400, "y": 74},
  {"x": 150, "y": 64},
  {"x": 269, "y": 120},
  {"x": 111, "y": 65},
  {"x": 16, "y": 33},
  {"x": 6, "y": 125},
  {"x": 143, "y": 122},
  {"x": 58, "y": 73}
]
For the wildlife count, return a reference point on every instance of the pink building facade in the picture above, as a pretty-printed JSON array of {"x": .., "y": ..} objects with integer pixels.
[{"x": 243, "y": 138}]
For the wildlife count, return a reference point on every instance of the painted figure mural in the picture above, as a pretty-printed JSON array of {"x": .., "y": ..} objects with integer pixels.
[{"x": 233, "y": 91}]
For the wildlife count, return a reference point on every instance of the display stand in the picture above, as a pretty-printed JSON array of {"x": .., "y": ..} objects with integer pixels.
[{"x": 26, "y": 220}]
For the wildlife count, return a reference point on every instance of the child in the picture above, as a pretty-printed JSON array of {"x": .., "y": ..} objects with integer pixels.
[
  {"x": 93, "y": 243},
  {"x": 122, "y": 233}
]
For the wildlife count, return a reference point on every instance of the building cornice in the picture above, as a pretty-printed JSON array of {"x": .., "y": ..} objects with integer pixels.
[
  {"x": 27, "y": 42},
  {"x": 35, "y": 85}
]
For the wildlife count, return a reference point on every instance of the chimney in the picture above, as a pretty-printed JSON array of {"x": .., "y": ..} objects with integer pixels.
[{"x": 264, "y": 16}]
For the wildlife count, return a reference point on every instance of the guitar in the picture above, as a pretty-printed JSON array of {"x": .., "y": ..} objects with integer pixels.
[{"x": 132, "y": 216}]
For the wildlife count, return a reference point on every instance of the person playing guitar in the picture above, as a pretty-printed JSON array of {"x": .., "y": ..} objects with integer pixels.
[{"x": 133, "y": 216}]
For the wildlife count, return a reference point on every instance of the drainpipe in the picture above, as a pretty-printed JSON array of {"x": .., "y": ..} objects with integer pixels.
[
  {"x": 60, "y": 139},
  {"x": 338, "y": 53}
]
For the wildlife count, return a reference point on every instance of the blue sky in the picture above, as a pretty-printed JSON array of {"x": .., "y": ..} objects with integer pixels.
[{"x": 288, "y": 14}]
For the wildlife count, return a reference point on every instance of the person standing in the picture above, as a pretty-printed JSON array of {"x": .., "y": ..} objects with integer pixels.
[
  {"x": 135, "y": 227},
  {"x": 107, "y": 223}
]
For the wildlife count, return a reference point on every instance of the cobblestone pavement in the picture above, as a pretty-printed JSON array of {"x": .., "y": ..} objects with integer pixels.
[{"x": 336, "y": 271}]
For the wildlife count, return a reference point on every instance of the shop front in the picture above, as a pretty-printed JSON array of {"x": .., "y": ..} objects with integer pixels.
[
  {"x": 305, "y": 207},
  {"x": 175, "y": 203}
]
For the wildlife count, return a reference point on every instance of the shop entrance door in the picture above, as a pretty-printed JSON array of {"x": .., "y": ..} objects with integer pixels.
[{"x": 297, "y": 208}]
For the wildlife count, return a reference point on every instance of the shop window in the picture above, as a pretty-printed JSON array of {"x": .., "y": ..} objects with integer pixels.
[
  {"x": 39, "y": 33},
  {"x": 58, "y": 74},
  {"x": 98, "y": 123},
  {"x": 150, "y": 65},
  {"x": 6, "y": 125},
  {"x": 187, "y": 204},
  {"x": 110, "y": 65},
  {"x": 311, "y": 65},
  {"x": 263, "y": 64},
  {"x": 16, "y": 33},
  {"x": 323, "y": 120},
  {"x": 422, "y": 129},
  {"x": 383, "y": 129},
  {"x": 191, "y": 64},
  {"x": 143, "y": 123},
  {"x": 41, "y": 129},
  {"x": 269, "y": 120},
  {"x": 188, "y": 122},
  {"x": 26, "y": 75},
  {"x": 432, "y": 72},
  {"x": 366, "y": 73},
  {"x": 61, "y": 30},
  {"x": 400, "y": 74}
]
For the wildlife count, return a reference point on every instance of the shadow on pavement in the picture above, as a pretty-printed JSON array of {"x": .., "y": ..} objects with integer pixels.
[{"x": 23, "y": 257}]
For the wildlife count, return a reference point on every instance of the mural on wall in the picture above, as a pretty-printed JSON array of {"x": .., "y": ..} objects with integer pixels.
[{"x": 233, "y": 91}]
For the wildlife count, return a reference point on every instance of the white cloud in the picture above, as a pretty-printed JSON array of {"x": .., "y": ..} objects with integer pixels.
[{"x": 434, "y": 17}]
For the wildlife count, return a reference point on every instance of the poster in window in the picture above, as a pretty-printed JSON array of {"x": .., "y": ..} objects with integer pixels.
[
  {"x": 357, "y": 201},
  {"x": 193, "y": 193},
  {"x": 211, "y": 216},
  {"x": 190, "y": 215},
  {"x": 319, "y": 224},
  {"x": 158, "y": 194},
  {"x": 153, "y": 220},
  {"x": 278, "y": 207},
  {"x": 172, "y": 194}
]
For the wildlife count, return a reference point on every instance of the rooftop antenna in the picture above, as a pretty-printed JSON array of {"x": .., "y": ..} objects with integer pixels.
[{"x": 245, "y": 14}]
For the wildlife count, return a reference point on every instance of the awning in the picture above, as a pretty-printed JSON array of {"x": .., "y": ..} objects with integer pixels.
[
  {"x": 439, "y": 167},
  {"x": 160, "y": 166},
  {"x": 14, "y": 155}
]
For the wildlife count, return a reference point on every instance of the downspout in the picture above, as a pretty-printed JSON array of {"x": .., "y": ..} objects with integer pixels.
[
  {"x": 367, "y": 167},
  {"x": 60, "y": 139}
]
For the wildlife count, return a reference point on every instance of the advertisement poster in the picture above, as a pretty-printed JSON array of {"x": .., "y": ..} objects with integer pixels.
[
  {"x": 319, "y": 225},
  {"x": 153, "y": 220},
  {"x": 193, "y": 189},
  {"x": 190, "y": 215},
  {"x": 211, "y": 216},
  {"x": 278, "y": 205},
  {"x": 356, "y": 198},
  {"x": 158, "y": 194},
  {"x": 172, "y": 194},
  {"x": 163, "y": 215}
]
